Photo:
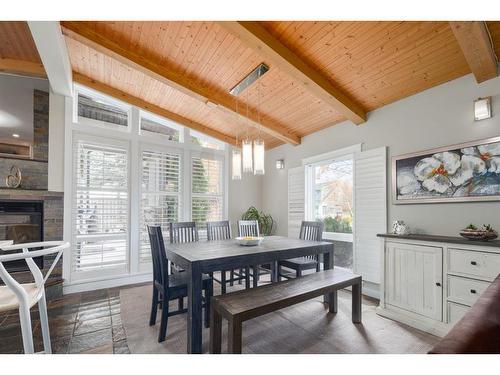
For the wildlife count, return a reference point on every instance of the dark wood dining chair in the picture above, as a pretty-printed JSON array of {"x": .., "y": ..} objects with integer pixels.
[
  {"x": 312, "y": 231},
  {"x": 251, "y": 228},
  {"x": 221, "y": 230},
  {"x": 168, "y": 287},
  {"x": 183, "y": 231}
]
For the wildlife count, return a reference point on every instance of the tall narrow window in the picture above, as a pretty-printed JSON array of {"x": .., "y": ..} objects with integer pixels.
[
  {"x": 207, "y": 191},
  {"x": 100, "y": 205},
  {"x": 330, "y": 186},
  {"x": 160, "y": 194}
]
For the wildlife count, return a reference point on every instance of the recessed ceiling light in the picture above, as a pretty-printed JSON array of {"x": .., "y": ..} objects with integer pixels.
[{"x": 15, "y": 135}]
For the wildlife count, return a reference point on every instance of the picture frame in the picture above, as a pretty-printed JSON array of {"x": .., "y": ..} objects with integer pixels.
[{"x": 465, "y": 172}]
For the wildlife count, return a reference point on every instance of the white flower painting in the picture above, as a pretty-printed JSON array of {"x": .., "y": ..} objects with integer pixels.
[{"x": 460, "y": 172}]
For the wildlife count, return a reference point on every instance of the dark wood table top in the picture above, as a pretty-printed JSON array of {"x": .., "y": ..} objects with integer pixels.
[{"x": 271, "y": 248}]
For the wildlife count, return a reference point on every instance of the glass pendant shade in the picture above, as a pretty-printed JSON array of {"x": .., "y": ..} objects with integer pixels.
[
  {"x": 246, "y": 147},
  {"x": 258, "y": 157},
  {"x": 236, "y": 164}
]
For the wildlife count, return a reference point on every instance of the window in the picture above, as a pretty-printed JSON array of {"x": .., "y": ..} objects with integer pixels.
[
  {"x": 130, "y": 169},
  {"x": 206, "y": 141},
  {"x": 160, "y": 194},
  {"x": 157, "y": 125},
  {"x": 100, "y": 204},
  {"x": 330, "y": 200},
  {"x": 100, "y": 109},
  {"x": 207, "y": 190}
]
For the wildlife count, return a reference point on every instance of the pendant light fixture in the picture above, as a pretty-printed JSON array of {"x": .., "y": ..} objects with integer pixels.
[
  {"x": 236, "y": 157},
  {"x": 258, "y": 144},
  {"x": 246, "y": 148},
  {"x": 236, "y": 164}
]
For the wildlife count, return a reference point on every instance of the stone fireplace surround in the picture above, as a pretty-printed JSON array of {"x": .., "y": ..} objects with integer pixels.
[{"x": 53, "y": 215}]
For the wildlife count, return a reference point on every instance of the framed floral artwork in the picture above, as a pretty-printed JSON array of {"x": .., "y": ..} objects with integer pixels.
[{"x": 465, "y": 172}]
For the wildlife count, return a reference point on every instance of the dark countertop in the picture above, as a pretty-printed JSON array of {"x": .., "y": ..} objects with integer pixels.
[{"x": 448, "y": 239}]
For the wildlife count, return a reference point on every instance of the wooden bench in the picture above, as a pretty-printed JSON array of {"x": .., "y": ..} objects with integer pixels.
[{"x": 244, "y": 305}]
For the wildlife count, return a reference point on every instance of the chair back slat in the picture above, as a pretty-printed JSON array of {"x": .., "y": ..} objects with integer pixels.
[
  {"x": 311, "y": 231},
  {"x": 183, "y": 232},
  {"x": 248, "y": 228},
  {"x": 218, "y": 230},
  {"x": 159, "y": 255}
]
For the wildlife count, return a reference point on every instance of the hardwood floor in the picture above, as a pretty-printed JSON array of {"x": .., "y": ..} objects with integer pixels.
[{"x": 79, "y": 323}]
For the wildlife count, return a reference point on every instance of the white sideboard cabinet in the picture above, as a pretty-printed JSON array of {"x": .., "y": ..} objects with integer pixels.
[{"x": 429, "y": 282}]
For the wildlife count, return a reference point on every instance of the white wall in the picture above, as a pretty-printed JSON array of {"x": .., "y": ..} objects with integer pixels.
[
  {"x": 439, "y": 116},
  {"x": 16, "y": 105}
]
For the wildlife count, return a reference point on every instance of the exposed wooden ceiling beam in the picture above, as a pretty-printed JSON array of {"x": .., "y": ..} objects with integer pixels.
[
  {"x": 474, "y": 40},
  {"x": 51, "y": 47},
  {"x": 22, "y": 67},
  {"x": 118, "y": 94},
  {"x": 159, "y": 72},
  {"x": 255, "y": 36}
]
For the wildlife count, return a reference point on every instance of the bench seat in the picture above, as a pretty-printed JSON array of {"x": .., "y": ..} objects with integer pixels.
[{"x": 243, "y": 305}]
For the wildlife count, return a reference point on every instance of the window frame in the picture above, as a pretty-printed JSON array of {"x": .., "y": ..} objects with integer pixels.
[
  {"x": 309, "y": 191},
  {"x": 147, "y": 135},
  {"x": 118, "y": 271},
  {"x": 136, "y": 142},
  {"x": 79, "y": 89}
]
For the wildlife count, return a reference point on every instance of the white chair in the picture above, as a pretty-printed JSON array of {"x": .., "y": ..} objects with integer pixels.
[{"x": 24, "y": 296}]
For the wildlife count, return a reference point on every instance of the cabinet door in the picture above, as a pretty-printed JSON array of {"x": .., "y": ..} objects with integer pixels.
[{"x": 414, "y": 278}]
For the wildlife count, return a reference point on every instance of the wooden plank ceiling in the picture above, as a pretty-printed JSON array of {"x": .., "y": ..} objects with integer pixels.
[{"x": 372, "y": 63}]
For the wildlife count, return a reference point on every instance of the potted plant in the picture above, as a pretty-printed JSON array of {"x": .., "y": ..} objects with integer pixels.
[{"x": 266, "y": 222}]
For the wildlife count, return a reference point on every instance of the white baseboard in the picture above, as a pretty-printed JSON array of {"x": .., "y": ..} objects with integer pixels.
[{"x": 86, "y": 286}]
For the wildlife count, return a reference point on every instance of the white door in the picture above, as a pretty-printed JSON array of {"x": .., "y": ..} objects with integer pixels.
[{"x": 414, "y": 278}]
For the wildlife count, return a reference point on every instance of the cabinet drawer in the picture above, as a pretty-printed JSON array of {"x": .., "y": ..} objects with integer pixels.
[
  {"x": 474, "y": 263},
  {"x": 455, "y": 312},
  {"x": 465, "y": 291}
]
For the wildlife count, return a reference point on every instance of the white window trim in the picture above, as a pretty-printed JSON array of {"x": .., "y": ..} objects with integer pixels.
[
  {"x": 79, "y": 89},
  {"x": 309, "y": 164},
  {"x": 163, "y": 121},
  {"x": 112, "y": 272},
  {"x": 136, "y": 141}
]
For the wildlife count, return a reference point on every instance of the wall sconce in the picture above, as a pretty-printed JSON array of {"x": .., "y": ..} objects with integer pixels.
[
  {"x": 280, "y": 164},
  {"x": 482, "y": 108}
]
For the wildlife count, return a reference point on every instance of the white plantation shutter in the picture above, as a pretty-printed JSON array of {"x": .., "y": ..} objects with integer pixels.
[
  {"x": 160, "y": 195},
  {"x": 296, "y": 200},
  {"x": 206, "y": 190},
  {"x": 370, "y": 211},
  {"x": 100, "y": 208}
]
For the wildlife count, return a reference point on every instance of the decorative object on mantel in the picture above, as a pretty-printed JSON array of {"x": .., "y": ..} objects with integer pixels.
[
  {"x": 13, "y": 180},
  {"x": 400, "y": 228},
  {"x": 460, "y": 173},
  {"x": 485, "y": 233},
  {"x": 266, "y": 222}
]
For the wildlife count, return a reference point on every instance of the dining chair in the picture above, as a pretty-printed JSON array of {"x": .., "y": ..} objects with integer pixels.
[
  {"x": 182, "y": 232},
  {"x": 251, "y": 228},
  {"x": 221, "y": 230},
  {"x": 24, "y": 296},
  {"x": 168, "y": 287},
  {"x": 312, "y": 231}
]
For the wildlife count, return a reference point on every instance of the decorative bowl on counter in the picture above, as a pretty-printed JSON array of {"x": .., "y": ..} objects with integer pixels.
[
  {"x": 249, "y": 241},
  {"x": 485, "y": 233}
]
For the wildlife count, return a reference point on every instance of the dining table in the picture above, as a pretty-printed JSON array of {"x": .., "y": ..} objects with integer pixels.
[{"x": 205, "y": 257}]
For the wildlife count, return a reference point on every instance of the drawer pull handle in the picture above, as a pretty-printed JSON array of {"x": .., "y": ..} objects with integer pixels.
[
  {"x": 438, "y": 284},
  {"x": 473, "y": 262},
  {"x": 473, "y": 291}
]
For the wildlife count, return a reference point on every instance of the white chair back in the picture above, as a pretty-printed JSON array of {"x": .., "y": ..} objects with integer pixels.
[{"x": 24, "y": 300}]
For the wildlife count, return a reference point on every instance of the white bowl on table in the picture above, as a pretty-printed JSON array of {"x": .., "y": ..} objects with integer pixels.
[{"x": 249, "y": 241}]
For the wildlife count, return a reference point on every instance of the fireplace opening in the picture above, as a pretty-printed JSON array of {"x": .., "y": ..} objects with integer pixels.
[{"x": 21, "y": 222}]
